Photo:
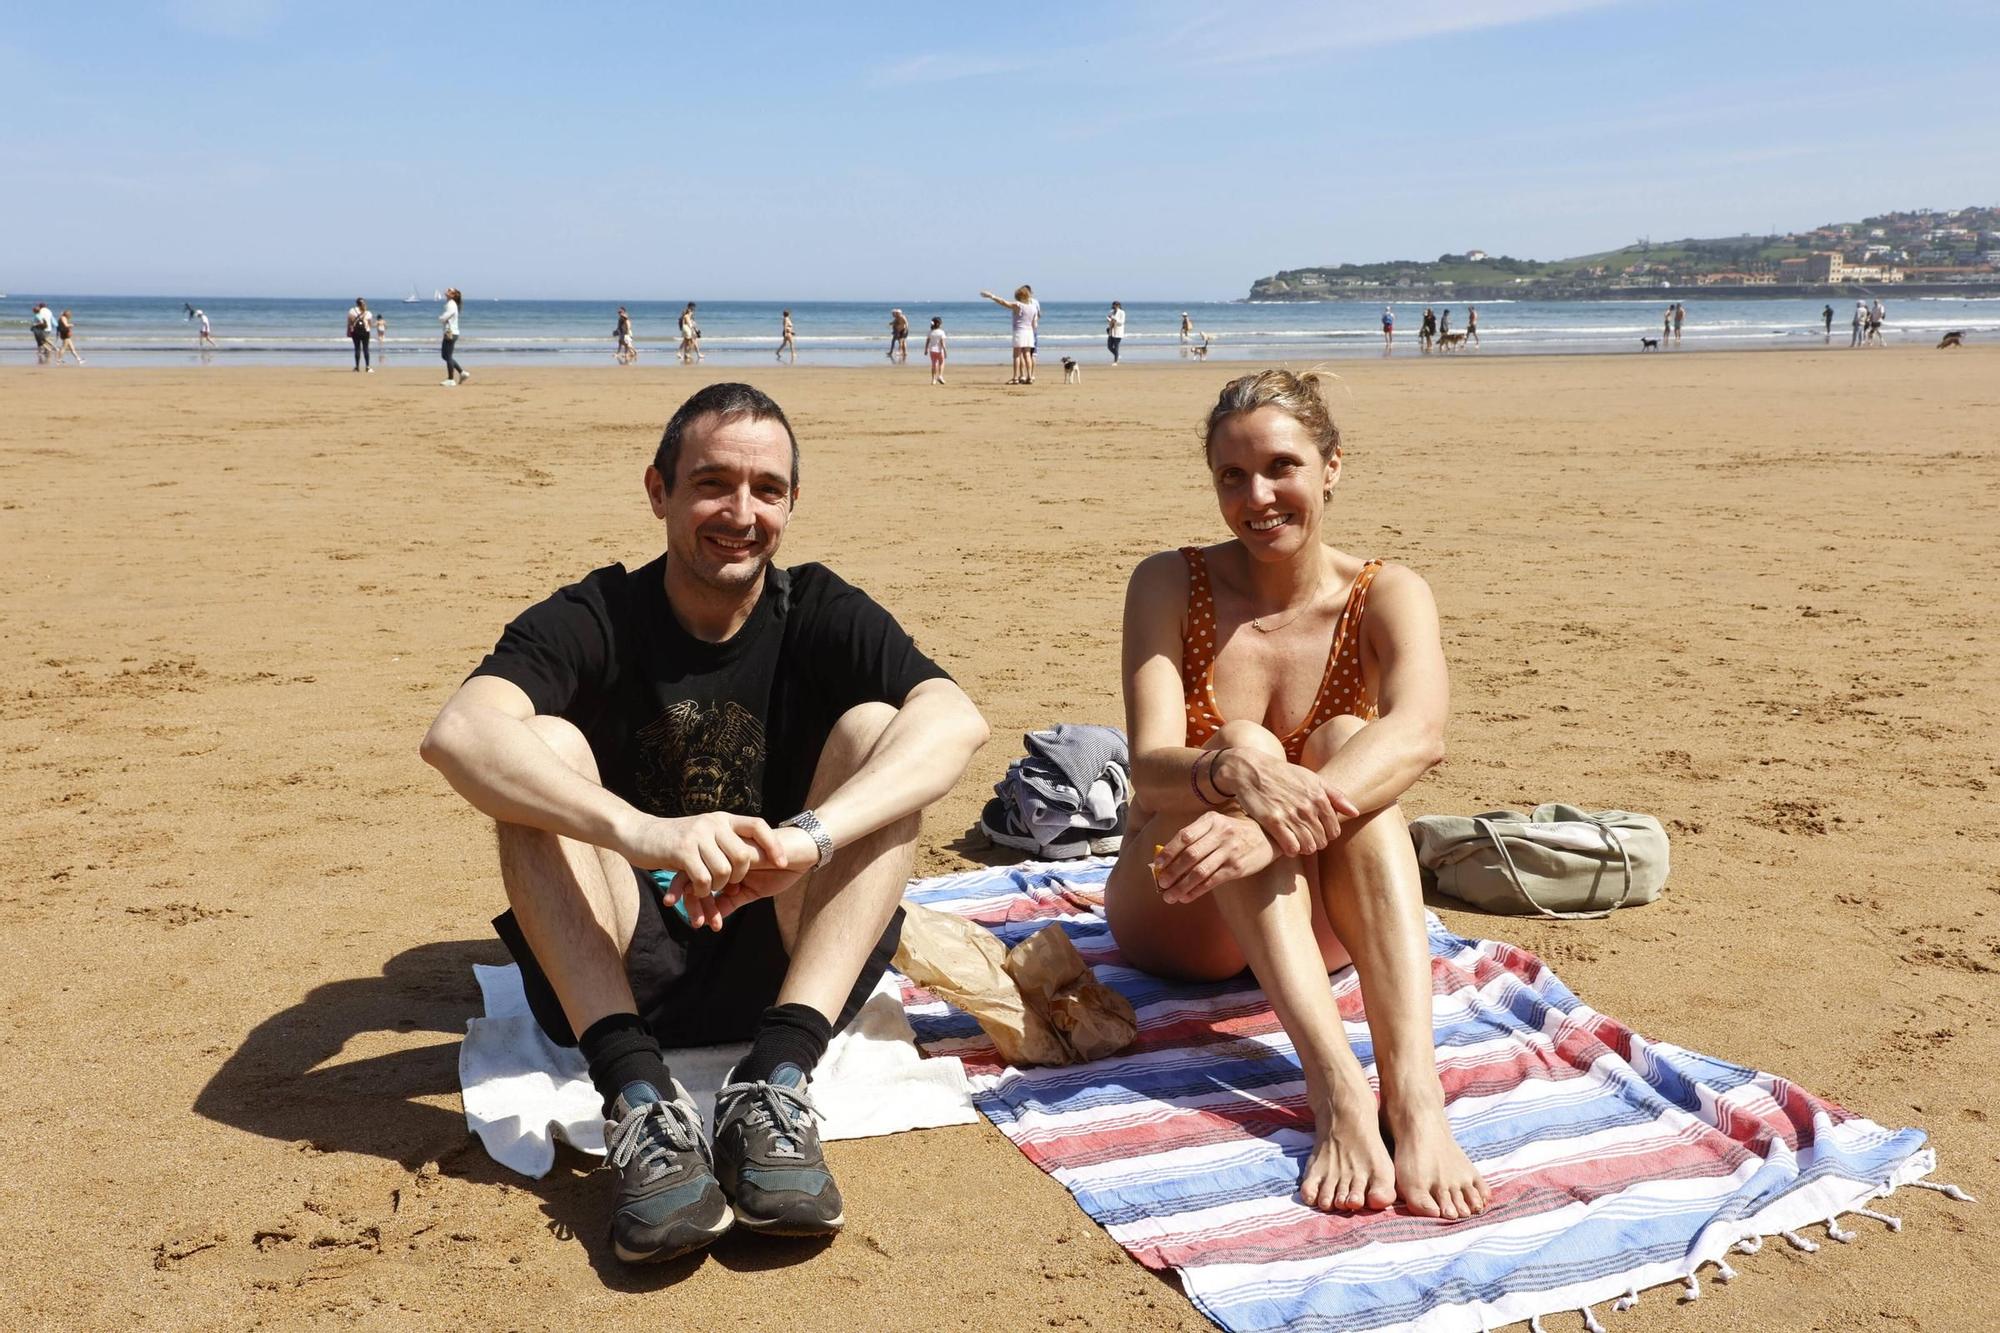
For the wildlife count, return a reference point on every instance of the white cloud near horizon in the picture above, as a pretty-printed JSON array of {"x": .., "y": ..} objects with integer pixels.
[{"x": 1265, "y": 35}]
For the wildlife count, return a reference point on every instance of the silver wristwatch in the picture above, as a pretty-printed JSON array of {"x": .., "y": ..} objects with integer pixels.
[{"x": 807, "y": 820}]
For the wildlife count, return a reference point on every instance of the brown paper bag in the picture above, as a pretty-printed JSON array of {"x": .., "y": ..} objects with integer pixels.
[{"x": 1039, "y": 1003}]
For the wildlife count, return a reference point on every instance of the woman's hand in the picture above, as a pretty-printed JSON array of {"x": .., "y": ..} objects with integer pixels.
[
  {"x": 1214, "y": 849},
  {"x": 1291, "y": 803}
]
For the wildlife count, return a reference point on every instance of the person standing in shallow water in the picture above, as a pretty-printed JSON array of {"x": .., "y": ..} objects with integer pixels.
[
  {"x": 454, "y": 374},
  {"x": 361, "y": 332},
  {"x": 899, "y": 337},
  {"x": 787, "y": 341},
  {"x": 1027, "y": 320},
  {"x": 1256, "y": 840},
  {"x": 1114, "y": 332}
]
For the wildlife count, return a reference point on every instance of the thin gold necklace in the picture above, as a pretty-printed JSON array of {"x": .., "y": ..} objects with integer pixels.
[{"x": 1257, "y": 622}]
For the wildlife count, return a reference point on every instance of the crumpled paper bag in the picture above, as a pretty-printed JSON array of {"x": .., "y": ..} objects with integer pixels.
[{"x": 1039, "y": 1001}]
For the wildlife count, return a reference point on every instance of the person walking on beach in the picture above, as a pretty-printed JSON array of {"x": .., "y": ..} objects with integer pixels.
[
  {"x": 787, "y": 341},
  {"x": 1114, "y": 331},
  {"x": 382, "y": 336},
  {"x": 1878, "y": 315},
  {"x": 1472, "y": 325},
  {"x": 42, "y": 324},
  {"x": 204, "y": 337},
  {"x": 626, "y": 351},
  {"x": 1286, "y": 851},
  {"x": 1680, "y": 317},
  {"x": 1444, "y": 324},
  {"x": 66, "y": 339},
  {"x": 934, "y": 348},
  {"x": 1027, "y": 320},
  {"x": 1427, "y": 330},
  {"x": 1860, "y": 319},
  {"x": 1667, "y": 324},
  {"x": 899, "y": 337},
  {"x": 454, "y": 374},
  {"x": 707, "y": 775},
  {"x": 360, "y": 331},
  {"x": 1187, "y": 332},
  {"x": 687, "y": 349},
  {"x": 1827, "y": 315},
  {"x": 1388, "y": 329}
]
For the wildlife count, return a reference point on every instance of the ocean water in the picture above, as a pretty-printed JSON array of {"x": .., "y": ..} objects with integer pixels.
[{"x": 155, "y": 330}]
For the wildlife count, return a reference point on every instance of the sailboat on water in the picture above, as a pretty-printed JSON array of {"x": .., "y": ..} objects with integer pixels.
[{"x": 412, "y": 298}]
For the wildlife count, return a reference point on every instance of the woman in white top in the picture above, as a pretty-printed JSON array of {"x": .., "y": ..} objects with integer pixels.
[
  {"x": 454, "y": 374},
  {"x": 1027, "y": 318},
  {"x": 1114, "y": 331},
  {"x": 934, "y": 348}
]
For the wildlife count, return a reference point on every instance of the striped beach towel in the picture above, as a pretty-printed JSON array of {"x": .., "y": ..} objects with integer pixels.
[{"x": 1616, "y": 1162}]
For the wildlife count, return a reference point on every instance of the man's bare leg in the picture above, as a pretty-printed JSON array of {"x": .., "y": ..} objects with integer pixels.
[
  {"x": 1373, "y": 895},
  {"x": 576, "y": 904},
  {"x": 1271, "y": 918},
  {"x": 831, "y": 921}
]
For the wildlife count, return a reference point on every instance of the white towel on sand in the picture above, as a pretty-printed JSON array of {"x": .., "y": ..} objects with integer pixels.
[{"x": 523, "y": 1092}]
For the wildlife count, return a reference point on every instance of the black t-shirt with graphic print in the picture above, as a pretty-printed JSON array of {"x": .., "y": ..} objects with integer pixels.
[{"x": 683, "y": 727}]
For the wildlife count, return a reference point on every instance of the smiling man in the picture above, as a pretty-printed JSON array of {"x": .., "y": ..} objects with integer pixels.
[{"x": 707, "y": 775}]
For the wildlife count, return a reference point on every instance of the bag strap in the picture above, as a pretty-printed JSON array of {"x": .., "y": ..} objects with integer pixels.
[{"x": 1485, "y": 826}]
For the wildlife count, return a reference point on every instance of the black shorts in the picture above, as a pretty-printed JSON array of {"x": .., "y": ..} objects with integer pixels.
[{"x": 696, "y": 987}]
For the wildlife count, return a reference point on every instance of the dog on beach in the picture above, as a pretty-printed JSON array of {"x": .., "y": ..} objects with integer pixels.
[
  {"x": 1072, "y": 372},
  {"x": 1649, "y": 344},
  {"x": 1956, "y": 338},
  {"x": 1451, "y": 342},
  {"x": 1200, "y": 350}
]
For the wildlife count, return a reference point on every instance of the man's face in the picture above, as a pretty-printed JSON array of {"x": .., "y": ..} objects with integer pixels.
[{"x": 731, "y": 498}]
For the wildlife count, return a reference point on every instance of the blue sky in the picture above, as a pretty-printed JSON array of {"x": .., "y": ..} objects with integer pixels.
[{"x": 793, "y": 152}]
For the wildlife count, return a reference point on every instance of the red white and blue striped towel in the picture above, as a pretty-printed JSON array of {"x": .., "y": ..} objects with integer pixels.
[{"x": 1616, "y": 1162}]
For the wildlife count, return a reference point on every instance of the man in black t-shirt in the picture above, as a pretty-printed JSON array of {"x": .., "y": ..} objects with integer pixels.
[{"x": 707, "y": 774}]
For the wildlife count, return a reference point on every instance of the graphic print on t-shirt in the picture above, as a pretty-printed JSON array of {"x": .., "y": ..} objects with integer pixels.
[{"x": 696, "y": 758}]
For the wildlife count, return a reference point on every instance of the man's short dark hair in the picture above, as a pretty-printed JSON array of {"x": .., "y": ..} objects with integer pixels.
[{"x": 725, "y": 402}]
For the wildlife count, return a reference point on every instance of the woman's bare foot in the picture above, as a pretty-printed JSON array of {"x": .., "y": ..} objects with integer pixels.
[
  {"x": 1350, "y": 1168},
  {"x": 1434, "y": 1177}
]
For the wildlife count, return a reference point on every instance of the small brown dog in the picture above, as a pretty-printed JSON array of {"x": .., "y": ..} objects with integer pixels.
[
  {"x": 1451, "y": 342},
  {"x": 1956, "y": 338}
]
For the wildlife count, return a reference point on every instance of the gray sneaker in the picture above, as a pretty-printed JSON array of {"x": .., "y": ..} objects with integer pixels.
[
  {"x": 768, "y": 1159},
  {"x": 668, "y": 1200}
]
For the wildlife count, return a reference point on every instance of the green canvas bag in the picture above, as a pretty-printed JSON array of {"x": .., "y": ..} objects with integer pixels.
[{"x": 1560, "y": 861}]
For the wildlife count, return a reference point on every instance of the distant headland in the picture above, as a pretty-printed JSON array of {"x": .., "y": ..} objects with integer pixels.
[{"x": 1925, "y": 251}]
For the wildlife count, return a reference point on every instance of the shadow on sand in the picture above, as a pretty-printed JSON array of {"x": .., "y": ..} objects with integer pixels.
[{"x": 286, "y": 1082}]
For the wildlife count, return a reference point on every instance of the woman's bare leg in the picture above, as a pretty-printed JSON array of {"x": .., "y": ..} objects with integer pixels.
[
  {"x": 1268, "y": 922},
  {"x": 1373, "y": 896}
]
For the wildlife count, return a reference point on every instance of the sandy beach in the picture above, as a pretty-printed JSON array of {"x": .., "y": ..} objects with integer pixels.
[{"x": 1752, "y": 593}]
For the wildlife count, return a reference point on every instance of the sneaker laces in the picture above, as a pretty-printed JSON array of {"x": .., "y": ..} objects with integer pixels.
[
  {"x": 650, "y": 1132},
  {"x": 786, "y": 1109}
]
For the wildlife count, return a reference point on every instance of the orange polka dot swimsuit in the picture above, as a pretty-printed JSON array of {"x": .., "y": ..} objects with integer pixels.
[{"x": 1342, "y": 689}]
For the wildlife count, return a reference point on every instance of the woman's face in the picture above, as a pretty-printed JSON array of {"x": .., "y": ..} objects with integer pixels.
[{"x": 1270, "y": 482}]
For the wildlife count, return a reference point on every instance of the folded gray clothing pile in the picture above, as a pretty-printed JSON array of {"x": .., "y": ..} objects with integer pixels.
[{"x": 1067, "y": 797}]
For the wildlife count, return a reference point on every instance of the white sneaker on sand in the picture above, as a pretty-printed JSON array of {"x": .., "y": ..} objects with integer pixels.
[
  {"x": 447, "y": 384},
  {"x": 464, "y": 375}
]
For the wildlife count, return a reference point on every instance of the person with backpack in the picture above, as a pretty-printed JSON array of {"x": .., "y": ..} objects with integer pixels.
[{"x": 360, "y": 330}]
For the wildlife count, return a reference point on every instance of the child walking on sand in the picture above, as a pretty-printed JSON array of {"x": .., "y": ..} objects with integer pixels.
[{"x": 934, "y": 348}]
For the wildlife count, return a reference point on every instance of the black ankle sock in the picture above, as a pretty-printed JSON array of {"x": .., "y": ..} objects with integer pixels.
[
  {"x": 789, "y": 1034},
  {"x": 620, "y": 1051}
]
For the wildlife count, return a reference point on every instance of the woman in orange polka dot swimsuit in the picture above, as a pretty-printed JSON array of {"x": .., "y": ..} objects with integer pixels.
[{"x": 1281, "y": 696}]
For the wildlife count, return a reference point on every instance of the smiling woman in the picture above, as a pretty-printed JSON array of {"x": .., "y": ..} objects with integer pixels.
[{"x": 1278, "y": 843}]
